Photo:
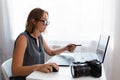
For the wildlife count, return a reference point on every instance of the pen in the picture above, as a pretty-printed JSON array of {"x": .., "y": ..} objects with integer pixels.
[
  {"x": 78, "y": 45},
  {"x": 75, "y": 45}
]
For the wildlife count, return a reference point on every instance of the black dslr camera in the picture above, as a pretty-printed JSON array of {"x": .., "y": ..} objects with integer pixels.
[{"x": 88, "y": 68}]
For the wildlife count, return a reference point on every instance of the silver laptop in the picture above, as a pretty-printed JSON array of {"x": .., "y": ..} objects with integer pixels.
[
  {"x": 66, "y": 60},
  {"x": 99, "y": 54}
]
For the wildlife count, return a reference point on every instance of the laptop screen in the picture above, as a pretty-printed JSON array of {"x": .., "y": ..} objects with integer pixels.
[{"x": 102, "y": 47}]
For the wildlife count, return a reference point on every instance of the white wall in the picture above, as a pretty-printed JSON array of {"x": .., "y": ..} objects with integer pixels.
[
  {"x": 116, "y": 51},
  {"x": 108, "y": 29}
]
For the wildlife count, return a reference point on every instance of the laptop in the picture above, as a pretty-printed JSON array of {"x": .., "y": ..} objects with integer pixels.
[
  {"x": 66, "y": 60},
  {"x": 99, "y": 54}
]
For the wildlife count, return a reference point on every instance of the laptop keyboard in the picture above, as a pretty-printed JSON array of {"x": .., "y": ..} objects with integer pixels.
[{"x": 82, "y": 57}]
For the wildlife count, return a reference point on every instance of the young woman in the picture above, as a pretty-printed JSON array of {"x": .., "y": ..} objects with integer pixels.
[{"x": 30, "y": 47}]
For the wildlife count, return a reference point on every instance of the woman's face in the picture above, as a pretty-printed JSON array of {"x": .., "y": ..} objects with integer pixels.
[{"x": 42, "y": 23}]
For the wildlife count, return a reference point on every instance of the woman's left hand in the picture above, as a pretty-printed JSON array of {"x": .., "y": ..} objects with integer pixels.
[{"x": 70, "y": 47}]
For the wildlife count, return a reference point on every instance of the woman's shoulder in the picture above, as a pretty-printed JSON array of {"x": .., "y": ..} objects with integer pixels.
[
  {"x": 21, "y": 40},
  {"x": 22, "y": 36},
  {"x": 25, "y": 33}
]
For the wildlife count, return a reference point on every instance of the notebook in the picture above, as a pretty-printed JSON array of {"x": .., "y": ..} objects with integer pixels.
[
  {"x": 66, "y": 60},
  {"x": 62, "y": 60}
]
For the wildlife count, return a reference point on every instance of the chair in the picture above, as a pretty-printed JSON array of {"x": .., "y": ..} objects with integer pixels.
[{"x": 6, "y": 68}]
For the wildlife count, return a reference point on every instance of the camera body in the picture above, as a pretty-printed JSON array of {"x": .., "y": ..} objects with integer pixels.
[{"x": 88, "y": 68}]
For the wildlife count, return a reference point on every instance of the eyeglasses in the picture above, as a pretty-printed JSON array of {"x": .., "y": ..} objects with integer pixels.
[{"x": 45, "y": 22}]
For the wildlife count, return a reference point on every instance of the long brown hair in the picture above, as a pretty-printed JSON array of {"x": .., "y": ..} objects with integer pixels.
[{"x": 35, "y": 14}]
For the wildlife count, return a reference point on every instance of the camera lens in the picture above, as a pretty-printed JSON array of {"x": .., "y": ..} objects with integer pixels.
[{"x": 80, "y": 69}]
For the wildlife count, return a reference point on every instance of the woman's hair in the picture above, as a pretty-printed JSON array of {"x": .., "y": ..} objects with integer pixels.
[{"x": 35, "y": 14}]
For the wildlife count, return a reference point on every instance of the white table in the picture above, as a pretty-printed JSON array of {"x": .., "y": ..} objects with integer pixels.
[{"x": 64, "y": 73}]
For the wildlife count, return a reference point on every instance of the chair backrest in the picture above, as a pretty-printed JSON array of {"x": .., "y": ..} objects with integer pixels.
[{"x": 6, "y": 68}]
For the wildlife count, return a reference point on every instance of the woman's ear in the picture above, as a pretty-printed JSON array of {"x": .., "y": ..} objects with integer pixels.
[{"x": 33, "y": 21}]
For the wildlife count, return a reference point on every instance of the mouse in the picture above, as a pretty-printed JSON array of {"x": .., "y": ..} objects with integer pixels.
[{"x": 54, "y": 70}]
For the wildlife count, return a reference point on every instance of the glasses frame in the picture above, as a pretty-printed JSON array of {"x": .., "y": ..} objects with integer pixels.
[{"x": 45, "y": 22}]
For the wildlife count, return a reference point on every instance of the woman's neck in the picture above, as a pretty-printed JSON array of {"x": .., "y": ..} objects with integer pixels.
[{"x": 35, "y": 35}]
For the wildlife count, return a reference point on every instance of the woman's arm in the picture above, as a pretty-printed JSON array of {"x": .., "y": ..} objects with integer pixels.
[
  {"x": 18, "y": 56},
  {"x": 51, "y": 52}
]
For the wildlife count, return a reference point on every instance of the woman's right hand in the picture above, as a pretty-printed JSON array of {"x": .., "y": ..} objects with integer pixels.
[
  {"x": 70, "y": 47},
  {"x": 47, "y": 68}
]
